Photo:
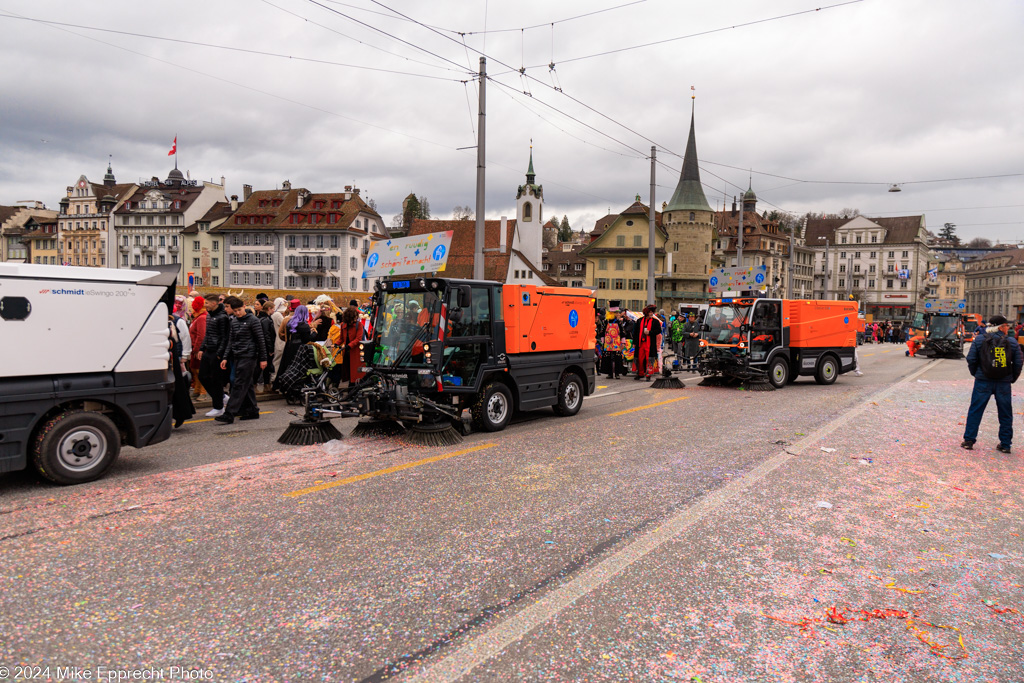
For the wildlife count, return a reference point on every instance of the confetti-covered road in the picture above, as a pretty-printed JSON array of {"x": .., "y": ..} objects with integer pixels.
[{"x": 809, "y": 534}]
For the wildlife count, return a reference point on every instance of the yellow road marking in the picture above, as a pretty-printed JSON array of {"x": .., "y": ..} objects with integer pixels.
[
  {"x": 211, "y": 419},
  {"x": 651, "y": 405},
  {"x": 603, "y": 387},
  {"x": 868, "y": 354},
  {"x": 887, "y": 351},
  {"x": 388, "y": 470}
]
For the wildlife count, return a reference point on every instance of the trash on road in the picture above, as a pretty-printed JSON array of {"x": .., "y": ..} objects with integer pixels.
[
  {"x": 828, "y": 450},
  {"x": 824, "y": 504},
  {"x": 997, "y": 556}
]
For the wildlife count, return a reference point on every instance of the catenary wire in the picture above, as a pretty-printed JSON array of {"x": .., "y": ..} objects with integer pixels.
[
  {"x": 224, "y": 47},
  {"x": 246, "y": 87},
  {"x": 345, "y": 35}
]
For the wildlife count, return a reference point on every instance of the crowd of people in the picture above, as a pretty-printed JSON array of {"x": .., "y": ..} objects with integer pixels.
[
  {"x": 635, "y": 344},
  {"x": 887, "y": 331},
  {"x": 233, "y": 351}
]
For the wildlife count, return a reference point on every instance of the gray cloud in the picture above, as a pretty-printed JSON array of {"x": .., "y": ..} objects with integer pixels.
[{"x": 873, "y": 91}]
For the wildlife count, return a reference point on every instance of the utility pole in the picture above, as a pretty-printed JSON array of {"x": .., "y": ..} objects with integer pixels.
[
  {"x": 481, "y": 138},
  {"x": 650, "y": 236},
  {"x": 849, "y": 277}
]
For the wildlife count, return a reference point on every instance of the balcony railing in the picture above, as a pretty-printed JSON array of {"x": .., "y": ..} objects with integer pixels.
[
  {"x": 173, "y": 248},
  {"x": 309, "y": 269},
  {"x": 125, "y": 249}
]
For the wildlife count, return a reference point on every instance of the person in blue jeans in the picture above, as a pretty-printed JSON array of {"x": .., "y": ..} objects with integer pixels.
[{"x": 985, "y": 387}]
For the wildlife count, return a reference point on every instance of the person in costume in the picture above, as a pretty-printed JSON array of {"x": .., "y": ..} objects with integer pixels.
[{"x": 647, "y": 338}]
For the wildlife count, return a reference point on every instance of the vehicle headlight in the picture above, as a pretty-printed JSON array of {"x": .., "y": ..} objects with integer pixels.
[
  {"x": 426, "y": 347},
  {"x": 743, "y": 345}
]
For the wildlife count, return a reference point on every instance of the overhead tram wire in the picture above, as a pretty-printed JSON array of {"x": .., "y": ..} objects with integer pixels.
[
  {"x": 562, "y": 130},
  {"x": 576, "y": 100},
  {"x": 236, "y": 84},
  {"x": 702, "y": 33},
  {"x": 345, "y": 35},
  {"x": 263, "y": 53},
  {"x": 485, "y": 30},
  {"x": 390, "y": 35}
]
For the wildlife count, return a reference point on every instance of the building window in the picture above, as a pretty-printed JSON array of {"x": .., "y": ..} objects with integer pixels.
[
  {"x": 335, "y": 262},
  {"x": 602, "y": 264},
  {"x": 618, "y": 283},
  {"x": 906, "y": 254},
  {"x": 693, "y": 216},
  {"x": 527, "y": 211},
  {"x": 620, "y": 240},
  {"x": 290, "y": 281},
  {"x": 195, "y": 263},
  {"x": 195, "y": 245},
  {"x": 268, "y": 279},
  {"x": 305, "y": 243},
  {"x": 842, "y": 283},
  {"x": 844, "y": 239},
  {"x": 246, "y": 278},
  {"x": 871, "y": 284},
  {"x": 352, "y": 284},
  {"x": 620, "y": 264},
  {"x": 215, "y": 263},
  {"x": 888, "y": 284},
  {"x": 334, "y": 242},
  {"x": 258, "y": 259},
  {"x": 234, "y": 260},
  {"x": 903, "y": 284},
  {"x": 602, "y": 283},
  {"x": 636, "y": 264},
  {"x": 638, "y": 240},
  {"x": 353, "y": 242},
  {"x": 216, "y": 245},
  {"x": 334, "y": 284},
  {"x": 291, "y": 244},
  {"x": 246, "y": 258},
  {"x": 319, "y": 241}
]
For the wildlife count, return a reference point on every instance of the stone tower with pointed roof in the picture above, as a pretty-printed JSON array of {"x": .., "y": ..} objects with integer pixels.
[
  {"x": 530, "y": 215},
  {"x": 688, "y": 219}
]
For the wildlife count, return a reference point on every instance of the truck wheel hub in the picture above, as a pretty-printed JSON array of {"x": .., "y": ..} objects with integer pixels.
[
  {"x": 81, "y": 450},
  {"x": 496, "y": 408},
  {"x": 572, "y": 395}
]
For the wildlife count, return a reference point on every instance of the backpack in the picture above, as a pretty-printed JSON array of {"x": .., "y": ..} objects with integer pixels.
[{"x": 994, "y": 357}]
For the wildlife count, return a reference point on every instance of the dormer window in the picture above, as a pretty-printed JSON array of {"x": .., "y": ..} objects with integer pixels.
[
  {"x": 332, "y": 218},
  {"x": 693, "y": 216},
  {"x": 277, "y": 202},
  {"x": 263, "y": 203},
  {"x": 314, "y": 218}
]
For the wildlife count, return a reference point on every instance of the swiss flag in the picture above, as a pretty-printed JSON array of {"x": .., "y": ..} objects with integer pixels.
[{"x": 174, "y": 147}]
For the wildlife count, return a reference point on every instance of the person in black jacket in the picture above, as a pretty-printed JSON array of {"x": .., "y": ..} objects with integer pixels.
[
  {"x": 269, "y": 335},
  {"x": 247, "y": 350},
  {"x": 213, "y": 351}
]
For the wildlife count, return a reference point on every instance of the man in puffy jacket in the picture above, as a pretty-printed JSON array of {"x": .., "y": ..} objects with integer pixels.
[
  {"x": 212, "y": 352},
  {"x": 247, "y": 350},
  {"x": 993, "y": 377}
]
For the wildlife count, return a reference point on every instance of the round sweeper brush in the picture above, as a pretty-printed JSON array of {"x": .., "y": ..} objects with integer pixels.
[
  {"x": 303, "y": 433},
  {"x": 375, "y": 428},
  {"x": 437, "y": 434}
]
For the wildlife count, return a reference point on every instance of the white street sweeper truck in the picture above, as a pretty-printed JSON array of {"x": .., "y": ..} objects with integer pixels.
[{"x": 83, "y": 366}]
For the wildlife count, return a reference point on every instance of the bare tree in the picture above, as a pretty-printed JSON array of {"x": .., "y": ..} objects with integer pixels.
[
  {"x": 462, "y": 213},
  {"x": 980, "y": 243}
]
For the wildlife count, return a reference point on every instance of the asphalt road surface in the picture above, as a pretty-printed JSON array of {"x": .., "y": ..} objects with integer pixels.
[{"x": 657, "y": 535}]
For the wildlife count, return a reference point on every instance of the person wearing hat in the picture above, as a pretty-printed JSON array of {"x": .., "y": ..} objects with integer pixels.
[
  {"x": 197, "y": 333},
  {"x": 647, "y": 338},
  {"x": 691, "y": 340},
  {"x": 995, "y": 361}
]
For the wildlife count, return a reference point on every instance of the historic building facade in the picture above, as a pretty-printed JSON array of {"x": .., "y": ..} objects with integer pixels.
[
  {"x": 298, "y": 240},
  {"x": 880, "y": 261},
  {"x": 995, "y": 284},
  {"x": 85, "y": 224},
  {"x": 149, "y": 223}
]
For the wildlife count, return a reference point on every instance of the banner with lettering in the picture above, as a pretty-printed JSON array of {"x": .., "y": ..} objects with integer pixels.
[
  {"x": 416, "y": 255},
  {"x": 738, "y": 279}
]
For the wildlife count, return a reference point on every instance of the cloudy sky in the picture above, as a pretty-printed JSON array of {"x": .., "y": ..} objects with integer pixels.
[{"x": 824, "y": 108}]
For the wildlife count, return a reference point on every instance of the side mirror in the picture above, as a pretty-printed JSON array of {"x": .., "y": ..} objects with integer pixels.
[
  {"x": 705, "y": 327},
  {"x": 455, "y": 316},
  {"x": 465, "y": 297},
  {"x": 744, "y": 328}
]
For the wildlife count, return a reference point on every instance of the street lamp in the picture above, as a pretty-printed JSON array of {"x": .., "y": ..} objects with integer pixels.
[{"x": 825, "y": 295}]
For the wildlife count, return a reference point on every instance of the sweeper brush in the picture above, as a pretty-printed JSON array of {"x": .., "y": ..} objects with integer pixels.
[
  {"x": 374, "y": 428},
  {"x": 306, "y": 433},
  {"x": 667, "y": 381},
  {"x": 433, "y": 435}
]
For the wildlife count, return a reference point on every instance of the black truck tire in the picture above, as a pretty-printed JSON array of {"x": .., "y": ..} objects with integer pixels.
[
  {"x": 828, "y": 370},
  {"x": 75, "y": 447},
  {"x": 570, "y": 395},
  {"x": 778, "y": 372},
  {"x": 493, "y": 409}
]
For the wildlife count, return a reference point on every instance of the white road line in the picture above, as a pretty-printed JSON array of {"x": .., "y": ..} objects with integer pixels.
[{"x": 483, "y": 647}]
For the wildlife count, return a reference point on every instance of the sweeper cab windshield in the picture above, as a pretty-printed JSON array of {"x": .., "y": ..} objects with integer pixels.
[
  {"x": 724, "y": 322},
  {"x": 406, "y": 315},
  {"x": 943, "y": 327}
]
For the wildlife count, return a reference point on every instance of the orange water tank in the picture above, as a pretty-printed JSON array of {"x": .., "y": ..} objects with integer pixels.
[
  {"x": 541, "y": 319},
  {"x": 818, "y": 324}
]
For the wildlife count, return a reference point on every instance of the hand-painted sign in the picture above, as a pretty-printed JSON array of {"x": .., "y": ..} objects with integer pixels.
[
  {"x": 416, "y": 255},
  {"x": 737, "y": 279},
  {"x": 946, "y": 306}
]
